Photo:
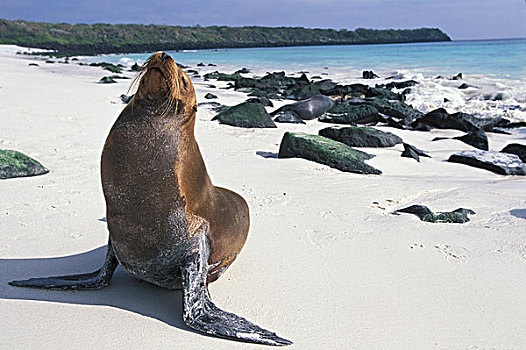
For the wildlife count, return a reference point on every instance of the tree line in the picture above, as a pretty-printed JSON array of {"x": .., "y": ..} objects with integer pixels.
[{"x": 86, "y": 39}]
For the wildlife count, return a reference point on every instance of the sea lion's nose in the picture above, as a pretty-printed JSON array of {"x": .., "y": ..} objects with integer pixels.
[{"x": 164, "y": 56}]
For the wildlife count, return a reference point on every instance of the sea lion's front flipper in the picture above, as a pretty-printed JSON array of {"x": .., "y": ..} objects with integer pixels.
[
  {"x": 88, "y": 281},
  {"x": 201, "y": 314}
]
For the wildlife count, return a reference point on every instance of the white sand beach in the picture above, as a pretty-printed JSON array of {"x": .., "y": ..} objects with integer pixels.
[{"x": 326, "y": 265}]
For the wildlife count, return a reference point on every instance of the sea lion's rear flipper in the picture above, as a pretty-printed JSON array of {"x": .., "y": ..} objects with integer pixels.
[
  {"x": 88, "y": 281},
  {"x": 201, "y": 314}
]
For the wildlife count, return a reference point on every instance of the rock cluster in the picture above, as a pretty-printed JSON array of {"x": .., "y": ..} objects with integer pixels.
[{"x": 359, "y": 104}]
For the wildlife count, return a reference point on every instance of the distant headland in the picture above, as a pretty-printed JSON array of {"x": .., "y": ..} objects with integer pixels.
[{"x": 86, "y": 39}]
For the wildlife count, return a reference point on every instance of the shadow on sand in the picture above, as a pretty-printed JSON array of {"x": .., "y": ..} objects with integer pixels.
[
  {"x": 519, "y": 213},
  {"x": 267, "y": 154},
  {"x": 124, "y": 292}
]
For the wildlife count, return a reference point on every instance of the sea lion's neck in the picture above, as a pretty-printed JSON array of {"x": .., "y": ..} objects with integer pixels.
[
  {"x": 172, "y": 135},
  {"x": 194, "y": 182},
  {"x": 156, "y": 113}
]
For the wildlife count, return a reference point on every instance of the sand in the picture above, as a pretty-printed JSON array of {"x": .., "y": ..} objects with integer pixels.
[{"x": 326, "y": 265}]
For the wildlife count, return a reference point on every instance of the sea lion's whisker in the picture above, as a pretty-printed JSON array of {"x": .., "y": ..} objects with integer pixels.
[{"x": 140, "y": 72}]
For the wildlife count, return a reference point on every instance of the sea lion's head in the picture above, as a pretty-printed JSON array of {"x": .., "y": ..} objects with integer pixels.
[{"x": 163, "y": 84}]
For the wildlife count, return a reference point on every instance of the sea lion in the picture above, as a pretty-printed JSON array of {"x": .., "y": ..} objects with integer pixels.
[
  {"x": 308, "y": 109},
  {"x": 288, "y": 116},
  {"x": 168, "y": 225}
]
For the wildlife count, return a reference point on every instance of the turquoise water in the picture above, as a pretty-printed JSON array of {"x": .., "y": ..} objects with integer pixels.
[{"x": 495, "y": 58}]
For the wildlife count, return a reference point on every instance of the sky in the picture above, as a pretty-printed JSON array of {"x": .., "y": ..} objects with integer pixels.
[{"x": 460, "y": 19}]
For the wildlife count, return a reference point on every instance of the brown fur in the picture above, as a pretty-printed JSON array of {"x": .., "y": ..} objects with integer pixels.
[{"x": 158, "y": 192}]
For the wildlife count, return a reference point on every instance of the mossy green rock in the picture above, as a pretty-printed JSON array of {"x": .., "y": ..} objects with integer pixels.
[
  {"x": 108, "y": 66},
  {"x": 356, "y": 136},
  {"x": 458, "y": 216},
  {"x": 325, "y": 151},
  {"x": 351, "y": 114},
  {"x": 16, "y": 164},
  {"x": 107, "y": 80},
  {"x": 223, "y": 76},
  {"x": 246, "y": 115}
]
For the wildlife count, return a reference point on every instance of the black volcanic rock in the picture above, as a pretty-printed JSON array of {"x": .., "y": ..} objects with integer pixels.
[
  {"x": 214, "y": 106},
  {"x": 325, "y": 86},
  {"x": 369, "y": 74},
  {"x": 500, "y": 163},
  {"x": 458, "y": 216},
  {"x": 496, "y": 96},
  {"x": 517, "y": 149},
  {"x": 441, "y": 119},
  {"x": 411, "y": 151},
  {"x": 355, "y": 136},
  {"x": 477, "y": 139},
  {"x": 351, "y": 114},
  {"x": 107, "y": 80},
  {"x": 464, "y": 86},
  {"x": 126, "y": 99},
  {"x": 386, "y": 94},
  {"x": 398, "y": 84},
  {"x": 507, "y": 124},
  {"x": 355, "y": 90},
  {"x": 263, "y": 100},
  {"x": 392, "y": 122},
  {"x": 396, "y": 109},
  {"x": 304, "y": 92}
]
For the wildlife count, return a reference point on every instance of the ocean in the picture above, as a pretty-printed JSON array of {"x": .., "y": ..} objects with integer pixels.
[{"x": 494, "y": 70}]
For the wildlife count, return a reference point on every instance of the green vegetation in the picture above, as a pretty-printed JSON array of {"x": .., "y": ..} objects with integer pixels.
[{"x": 105, "y": 38}]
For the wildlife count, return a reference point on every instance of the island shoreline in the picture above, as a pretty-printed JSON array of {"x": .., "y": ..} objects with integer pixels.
[{"x": 96, "y": 39}]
